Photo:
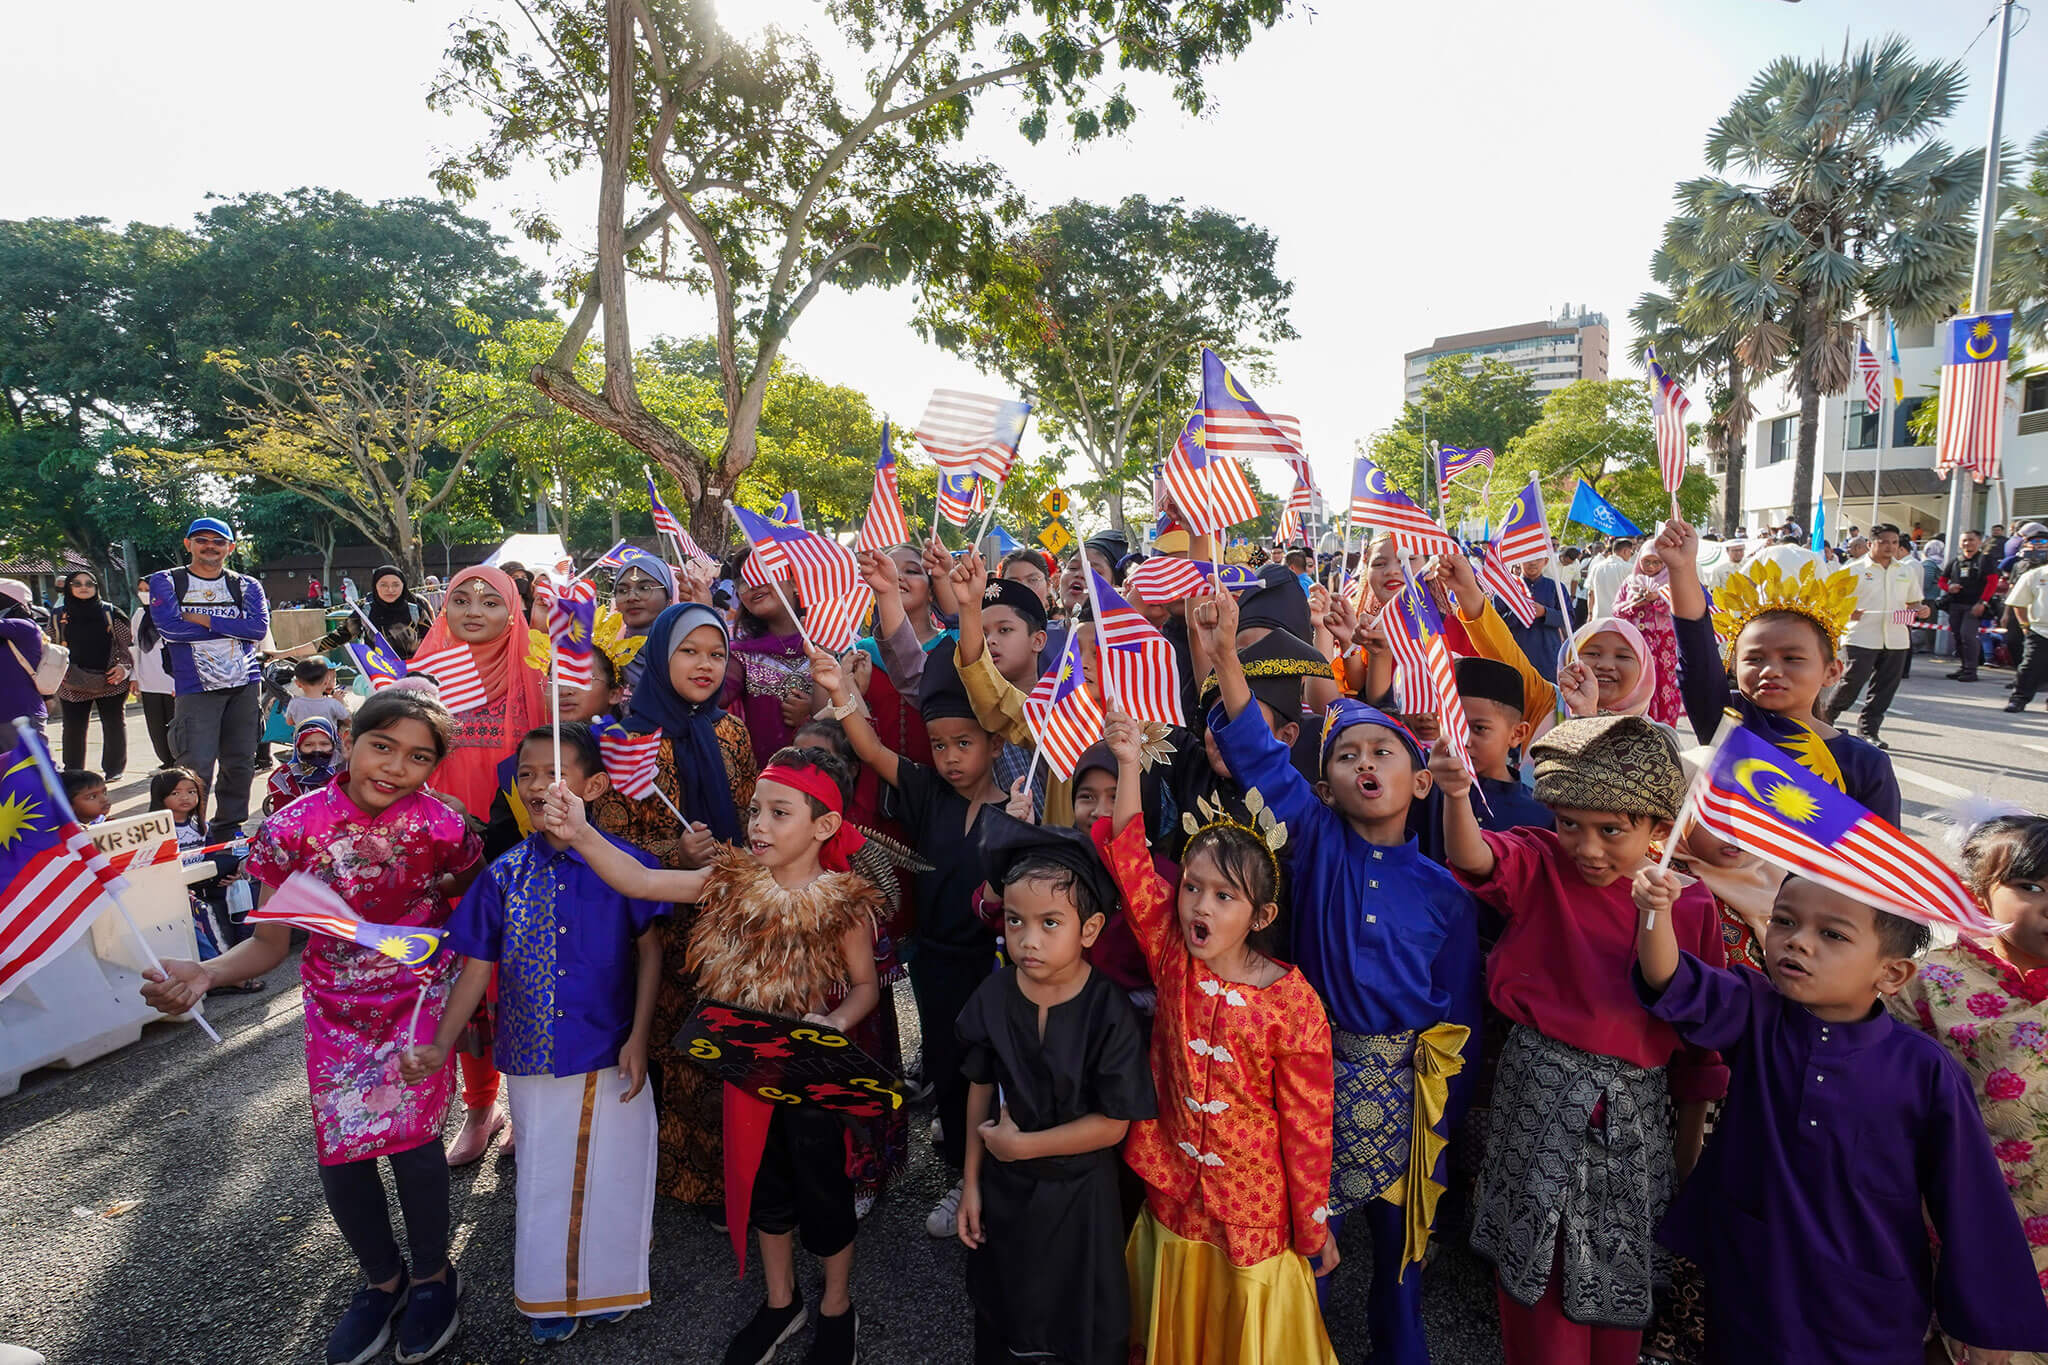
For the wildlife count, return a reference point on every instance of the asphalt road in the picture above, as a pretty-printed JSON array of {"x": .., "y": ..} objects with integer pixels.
[{"x": 228, "y": 1254}]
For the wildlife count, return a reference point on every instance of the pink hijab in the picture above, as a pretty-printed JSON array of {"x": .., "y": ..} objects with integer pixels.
[{"x": 1638, "y": 701}]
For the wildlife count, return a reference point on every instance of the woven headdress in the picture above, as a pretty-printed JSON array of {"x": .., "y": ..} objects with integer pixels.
[
  {"x": 1827, "y": 600},
  {"x": 1265, "y": 827}
]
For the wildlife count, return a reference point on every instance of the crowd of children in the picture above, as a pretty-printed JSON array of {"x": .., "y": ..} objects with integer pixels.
[{"x": 1188, "y": 1015}]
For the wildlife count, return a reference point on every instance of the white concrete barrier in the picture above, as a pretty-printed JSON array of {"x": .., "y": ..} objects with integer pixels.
[{"x": 87, "y": 1001}]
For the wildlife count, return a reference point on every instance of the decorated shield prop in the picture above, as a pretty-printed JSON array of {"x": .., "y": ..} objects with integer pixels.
[{"x": 787, "y": 1061}]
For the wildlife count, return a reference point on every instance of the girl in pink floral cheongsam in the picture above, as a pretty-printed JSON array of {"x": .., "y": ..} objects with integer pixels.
[
  {"x": 393, "y": 852},
  {"x": 1987, "y": 1002}
]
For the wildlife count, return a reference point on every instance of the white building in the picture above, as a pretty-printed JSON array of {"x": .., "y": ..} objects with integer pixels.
[
  {"x": 1571, "y": 347},
  {"x": 1893, "y": 480}
]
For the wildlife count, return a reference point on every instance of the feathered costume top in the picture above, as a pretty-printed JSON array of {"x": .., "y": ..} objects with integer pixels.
[{"x": 767, "y": 948}]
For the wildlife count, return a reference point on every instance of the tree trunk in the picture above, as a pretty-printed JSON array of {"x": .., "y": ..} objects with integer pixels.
[
  {"x": 1738, "y": 457},
  {"x": 617, "y": 534},
  {"x": 1809, "y": 439}
]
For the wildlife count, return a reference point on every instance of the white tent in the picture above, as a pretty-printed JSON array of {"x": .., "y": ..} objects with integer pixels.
[{"x": 542, "y": 553}]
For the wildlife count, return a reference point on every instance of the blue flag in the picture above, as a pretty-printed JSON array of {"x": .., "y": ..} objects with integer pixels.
[
  {"x": 1590, "y": 509},
  {"x": 1820, "y": 524}
]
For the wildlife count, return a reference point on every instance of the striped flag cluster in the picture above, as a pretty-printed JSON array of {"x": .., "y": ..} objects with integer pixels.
[
  {"x": 884, "y": 525},
  {"x": 1668, "y": 406},
  {"x": 1064, "y": 716},
  {"x": 572, "y": 623},
  {"x": 763, "y": 567},
  {"x": 1375, "y": 502},
  {"x": 1509, "y": 586},
  {"x": 1234, "y": 423},
  {"x": 453, "y": 669},
  {"x": 1973, "y": 395},
  {"x": 630, "y": 759},
  {"x": 1756, "y": 797},
  {"x": 1428, "y": 678},
  {"x": 665, "y": 523},
  {"x": 960, "y": 497},
  {"x": 825, "y": 572},
  {"x": 1525, "y": 534},
  {"x": 51, "y": 873},
  {"x": 1873, "y": 373},
  {"x": 970, "y": 433},
  {"x": 1303, "y": 502},
  {"x": 1210, "y": 490},
  {"x": 1169, "y": 578},
  {"x": 1452, "y": 462},
  {"x": 1137, "y": 662},
  {"x": 306, "y": 902}
]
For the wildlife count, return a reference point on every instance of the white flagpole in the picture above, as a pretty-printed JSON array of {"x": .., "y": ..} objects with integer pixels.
[
  {"x": 555, "y": 692},
  {"x": 1101, "y": 644},
  {"x": 776, "y": 584},
  {"x": 1691, "y": 804}
]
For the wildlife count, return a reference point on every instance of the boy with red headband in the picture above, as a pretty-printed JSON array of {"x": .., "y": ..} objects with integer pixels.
[{"x": 784, "y": 927}]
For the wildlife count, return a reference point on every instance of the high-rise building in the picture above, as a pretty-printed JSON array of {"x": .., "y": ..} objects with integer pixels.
[{"x": 1570, "y": 347}]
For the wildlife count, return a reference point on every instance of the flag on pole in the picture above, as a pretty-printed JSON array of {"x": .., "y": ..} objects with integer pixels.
[
  {"x": 1234, "y": 423},
  {"x": 376, "y": 660},
  {"x": 51, "y": 874},
  {"x": 306, "y": 902},
  {"x": 1505, "y": 583},
  {"x": 1668, "y": 406},
  {"x": 1169, "y": 578},
  {"x": 1375, "y": 502},
  {"x": 1211, "y": 490},
  {"x": 1413, "y": 687},
  {"x": 630, "y": 759},
  {"x": 822, "y": 568},
  {"x": 1525, "y": 534},
  {"x": 665, "y": 523},
  {"x": 884, "y": 525},
  {"x": 970, "y": 433},
  {"x": 1973, "y": 395},
  {"x": 1453, "y": 461},
  {"x": 960, "y": 497},
  {"x": 1753, "y": 797},
  {"x": 1867, "y": 366},
  {"x": 1064, "y": 717},
  {"x": 1304, "y": 501},
  {"x": 572, "y": 622},
  {"x": 453, "y": 670},
  {"x": 1898, "y": 376},
  {"x": 834, "y": 622},
  {"x": 1590, "y": 509},
  {"x": 1429, "y": 680},
  {"x": 610, "y": 559},
  {"x": 1137, "y": 662}
]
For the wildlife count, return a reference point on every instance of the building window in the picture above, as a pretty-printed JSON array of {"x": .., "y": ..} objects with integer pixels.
[
  {"x": 1902, "y": 435},
  {"x": 1862, "y": 425},
  {"x": 1780, "y": 439},
  {"x": 2034, "y": 394}
]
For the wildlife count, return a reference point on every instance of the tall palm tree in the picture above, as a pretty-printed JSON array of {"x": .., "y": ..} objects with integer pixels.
[
  {"x": 2022, "y": 260},
  {"x": 1847, "y": 203}
]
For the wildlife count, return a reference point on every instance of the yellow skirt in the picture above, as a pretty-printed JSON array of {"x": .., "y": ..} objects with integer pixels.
[{"x": 1190, "y": 1305}]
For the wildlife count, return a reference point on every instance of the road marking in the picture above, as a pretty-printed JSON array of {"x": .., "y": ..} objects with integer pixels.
[{"x": 1933, "y": 784}]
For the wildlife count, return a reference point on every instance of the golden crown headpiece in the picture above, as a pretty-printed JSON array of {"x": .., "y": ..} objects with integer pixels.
[
  {"x": 1265, "y": 827},
  {"x": 1826, "y": 599},
  {"x": 609, "y": 635}
]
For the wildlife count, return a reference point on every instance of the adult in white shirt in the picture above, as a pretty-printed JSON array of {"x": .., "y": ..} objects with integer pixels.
[
  {"x": 2027, "y": 599},
  {"x": 152, "y": 683},
  {"x": 1733, "y": 555},
  {"x": 1889, "y": 590},
  {"x": 1609, "y": 572},
  {"x": 1789, "y": 553}
]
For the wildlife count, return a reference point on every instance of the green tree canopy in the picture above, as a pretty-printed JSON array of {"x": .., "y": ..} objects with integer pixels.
[
  {"x": 1488, "y": 407},
  {"x": 1599, "y": 431},
  {"x": 2020, "y": 267}
]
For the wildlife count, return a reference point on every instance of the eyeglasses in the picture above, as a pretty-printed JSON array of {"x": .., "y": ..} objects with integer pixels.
[{"x": 640, "y": 588}]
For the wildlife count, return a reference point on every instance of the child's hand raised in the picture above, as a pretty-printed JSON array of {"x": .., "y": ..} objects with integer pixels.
[
  {"x": 827, "y": 674},
  {"x": 1448, "y": 773},
  {"x": 1579, "y": 689},
  {"x": 970, "y": 577},
  {"x": 695, "y": 583},
  {"x": 1019, "y": 806},
  {"x": 562, "y": 812},
  {"x": 1124, "y": 738},
  {"x": 420, "y": 1061},
  {"x": 1679, "y": 541},
  {"x": 877, "y": 570}
]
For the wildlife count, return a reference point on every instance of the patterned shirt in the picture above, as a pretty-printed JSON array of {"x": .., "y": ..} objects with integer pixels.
[{"x": 564, "y": 945}]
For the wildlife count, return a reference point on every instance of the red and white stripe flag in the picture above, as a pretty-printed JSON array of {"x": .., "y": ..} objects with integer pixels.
[
  {"x": 1668, "y": 406},
  {"x": 884, "y": 524},
  {"x": 1867, "y": 366},
  {"x": 453, "y": 669},
  {"x": 1064, "y": 716},
  {"x": 971, "y": 433},
  {"x": 572, "y": 622},
  {"x": 1210, "y": 490},
  {"x": 1138, "y": 672},
  {"x": 630, "y": 760},
  {"x": 1971, "y": 416},
  {"x": 1506, "y": 584},
  {"x": 50, "y": 902},
  {"x": 834, "y": 623}
]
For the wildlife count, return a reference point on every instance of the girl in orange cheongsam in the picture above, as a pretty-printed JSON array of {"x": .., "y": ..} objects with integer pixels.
[{"x": 1237, "y": 1165}]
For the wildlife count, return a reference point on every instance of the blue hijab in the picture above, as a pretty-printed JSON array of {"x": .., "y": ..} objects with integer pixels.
[{"x": 691, "y": 728}]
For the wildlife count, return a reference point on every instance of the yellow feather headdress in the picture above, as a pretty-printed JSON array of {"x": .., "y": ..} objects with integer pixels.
[{"x": 1828, "y": 600}]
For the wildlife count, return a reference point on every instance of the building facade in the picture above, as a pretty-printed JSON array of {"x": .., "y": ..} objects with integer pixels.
[
  {"x": 1570, "y": 347},
  {"x": 1869, "y": 468}
]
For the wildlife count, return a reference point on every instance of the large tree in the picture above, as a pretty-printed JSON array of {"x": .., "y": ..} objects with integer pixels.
[
  {"x": 2020, "y": 269},
  {"x": 1600, "y": 431},
  {"x": 781, "y": 176},
  {"x": 1847, "y": 203},
  {"x": 1488, "y": 406},
  {"x": 1095, "y": 314}
]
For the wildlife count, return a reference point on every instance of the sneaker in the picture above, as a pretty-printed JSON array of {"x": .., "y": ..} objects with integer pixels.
[
  {"x": 762, "y": 1337},
  {"x": 1874, "y": 742},
  {"x": 616, "y": 1315},
  {"x": 430, "y": 1319},
  {"x": 943, "y": 1221},
  {"x": 1960, "y": 676},
  {"x": 836, "y": 1341},
  {"x": 548, "y": 1331},
  {"x": 366, "y": 1326}
]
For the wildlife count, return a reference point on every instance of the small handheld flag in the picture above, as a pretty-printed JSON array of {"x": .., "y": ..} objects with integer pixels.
[
  {"x": 1972, "y": 397},
  {"x": 572, "y": 622},
  {"x": 630, "y": 759},
  {"x": 1211, "y": 491},
  {"x": 1064, "y": 717},
  {"x": 1525, "y": 534},
  {"x": 306, "y": 902},
  {"x": 453, "y": 669},
  {"x": 1452, "y": 462},
  {"x": 884, "y": 524},
  {"x": 1137, "y": 662},
  {"x": 1590, "y": 509},
  {"x": 960, "y": 497},
  {"x": 970, "y": 433},
  {"x": 1668, "y": 406},
  {"x": 1169, "y": 578},
  {"x": 665, "y": 524},
  {"x": 1414, "y": 621},
  {"x": 376, "y": 659},
  {"x": 614, "y": 557},
  {"x": 1510, "y": 587},
  {"x": 1375, "y": 502},
  {"x": 1234, "y": 424},
  {"x": 51, "y": 873}
]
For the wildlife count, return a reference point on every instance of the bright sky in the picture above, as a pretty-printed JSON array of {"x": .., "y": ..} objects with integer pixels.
[{"x": 1427, "y": 169}]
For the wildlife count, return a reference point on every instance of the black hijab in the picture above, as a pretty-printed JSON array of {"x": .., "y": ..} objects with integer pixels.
[
  {"x": 86, "y": 627},
  {"x": 399, "y": 622}
]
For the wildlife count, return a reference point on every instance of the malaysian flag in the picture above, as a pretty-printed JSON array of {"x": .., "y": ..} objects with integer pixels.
[
  {"x": 761, "y": 567},
  {"x": 1506, "y": 584},
  {"x": 1375, "y": 502},
  {"x": 884, "y": 525},
  {"x": 834, "y": 622},
  {"x": 960, "y": 497},
  {"x": 825, "y": 571},
  {"x": 453, "y": 669},
  {"x": 1668, "y": 406},
  {"x": 1414, "y": 689},
  {"x": 1210, "y": 490},
  {"x": 1415, "y": 633},
  {"x": 51, "y": 874},
  {"x": 1169, "y": 578},
  {"x": 376, "y": 660},
  {"x": 1525, "y": 535},
  {"x": 1754, "y": 797},
  {"x": 1973, "y": 395},
  {"x": 1303, "y": 502},
  {"x": 306, "y": 902},
  {"x": 1236, "y": 425},
  {"x": 610, "y": 559},
  {"x": 665, "y": 523},
  {"x": 1872, "y": 372},
  {"x": 1137, "y": 662},
  {"x": 968, "y": 433},
  {"x": 1064, "y": 717},
  {"x": 572, "y": 621},
  {"x": 630, "y": 759},
  {"x": 1452, "y": 461}
]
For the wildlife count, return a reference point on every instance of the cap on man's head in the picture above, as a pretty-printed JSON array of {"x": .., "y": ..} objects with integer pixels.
[
  {"x": 2032, "y": 529},
  {"x": 211, "y": 524}
]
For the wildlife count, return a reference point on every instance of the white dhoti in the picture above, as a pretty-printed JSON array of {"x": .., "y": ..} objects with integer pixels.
[{"x": 585, "y": 1216}]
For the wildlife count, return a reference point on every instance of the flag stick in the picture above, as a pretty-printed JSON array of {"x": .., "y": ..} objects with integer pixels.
[
  {"x": 776, "y": 583},
  {"x": 555, "y": 703},
  {"x": 412, "y": 1026},
  {"x": 55, "y": 788},
  {"x": 1037, "y": 753},
  {"x": 1691, "y": 804}
]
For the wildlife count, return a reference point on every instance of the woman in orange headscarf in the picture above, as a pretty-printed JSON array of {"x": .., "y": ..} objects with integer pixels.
[{"x": 483, "y": 612}]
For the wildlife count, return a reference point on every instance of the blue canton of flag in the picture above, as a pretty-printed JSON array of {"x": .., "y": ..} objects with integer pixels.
[{"x": 376, "y": 659}]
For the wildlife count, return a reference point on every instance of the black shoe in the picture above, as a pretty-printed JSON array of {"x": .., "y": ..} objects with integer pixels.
[
  {"x": 2015, "y": 706},
  {"x": 1874, "y": 742},
  {"x": 836, "y": 1340},
  {"x": 366, "y": 1326},
  {"x": 1960, "y": 676},
  {"x": 430, "y": 1319},
  {"x": 758, "y": 1341}
]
